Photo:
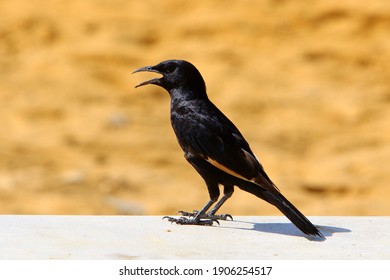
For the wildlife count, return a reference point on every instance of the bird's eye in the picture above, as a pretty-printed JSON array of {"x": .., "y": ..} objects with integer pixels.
[{"x": 169, "y": 68}]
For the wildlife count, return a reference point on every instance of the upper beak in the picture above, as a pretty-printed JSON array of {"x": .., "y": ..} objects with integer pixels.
[{"x": 155, "y": 81}]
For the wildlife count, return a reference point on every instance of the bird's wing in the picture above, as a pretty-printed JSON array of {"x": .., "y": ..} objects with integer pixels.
[
  {"x": 224, "y": 147},
  {"x": 213, "y": 137},
  {"x": 229, "y": 152}
]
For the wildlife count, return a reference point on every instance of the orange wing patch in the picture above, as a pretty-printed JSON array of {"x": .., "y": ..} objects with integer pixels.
[{"x": 225, "y": 169}]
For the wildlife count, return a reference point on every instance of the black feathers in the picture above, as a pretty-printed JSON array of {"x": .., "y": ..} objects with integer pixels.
[{"x": 215, "y": 147}]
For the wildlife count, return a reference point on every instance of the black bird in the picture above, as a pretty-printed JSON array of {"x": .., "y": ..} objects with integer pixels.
[{"x": 214, "y": 146}]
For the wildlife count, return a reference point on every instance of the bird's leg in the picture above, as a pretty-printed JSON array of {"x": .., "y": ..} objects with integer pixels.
[
  {"x": 228, "y": 191},
  {"x": 212, "y": 215},
  {"x": 196, "y": 217}
]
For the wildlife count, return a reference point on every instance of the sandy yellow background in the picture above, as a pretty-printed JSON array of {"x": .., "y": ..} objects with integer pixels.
[{"x": 307, "y": 83}]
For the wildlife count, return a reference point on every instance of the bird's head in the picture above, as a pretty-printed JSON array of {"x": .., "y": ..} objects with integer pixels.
[{"x": 176, "y": 75}]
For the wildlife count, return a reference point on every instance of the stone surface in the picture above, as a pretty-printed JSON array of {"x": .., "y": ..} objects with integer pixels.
[{"x": 150, "y": 237}]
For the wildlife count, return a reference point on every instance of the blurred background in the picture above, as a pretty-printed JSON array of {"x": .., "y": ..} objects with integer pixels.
[{"x": 306, "y": 82}]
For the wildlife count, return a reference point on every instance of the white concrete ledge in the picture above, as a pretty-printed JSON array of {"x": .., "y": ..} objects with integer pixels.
[{"x": 149, "y": 237}]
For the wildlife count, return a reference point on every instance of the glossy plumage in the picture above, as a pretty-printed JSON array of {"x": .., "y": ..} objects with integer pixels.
[{"x": 214, "y": 146}]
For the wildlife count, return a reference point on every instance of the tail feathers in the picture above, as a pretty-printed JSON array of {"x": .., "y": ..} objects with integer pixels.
[
  {"x": 285, "y": 206},
  {"x": 293, "y": 214}
]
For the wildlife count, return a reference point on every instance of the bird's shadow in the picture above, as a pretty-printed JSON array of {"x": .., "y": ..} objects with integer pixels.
[{"x": 290, "y": 229}]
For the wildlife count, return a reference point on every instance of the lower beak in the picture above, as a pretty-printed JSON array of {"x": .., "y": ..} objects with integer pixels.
[{"x": 154, "y": 81}]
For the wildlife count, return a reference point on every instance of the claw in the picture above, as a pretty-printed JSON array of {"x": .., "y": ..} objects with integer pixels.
[
  {"x": 186, "y": 221},
  {"x": 210, "y": 216},
  {"x": 167, "y": 217},
  {"x": 188, "y": 214},
  {"x": 224, "y": 217}
]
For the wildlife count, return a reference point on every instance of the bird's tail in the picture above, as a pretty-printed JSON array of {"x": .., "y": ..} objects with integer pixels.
[{"x": 285, "y": 206}]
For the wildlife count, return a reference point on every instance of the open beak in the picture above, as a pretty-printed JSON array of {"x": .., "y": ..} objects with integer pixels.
[{"x": 155, "y": 81}]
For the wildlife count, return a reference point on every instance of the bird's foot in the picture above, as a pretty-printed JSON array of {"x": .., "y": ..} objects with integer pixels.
[
  {"x": 188, "y": 214},
  {"x": 207, "y": 215},
  {"x": 191, "y": 221}
]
